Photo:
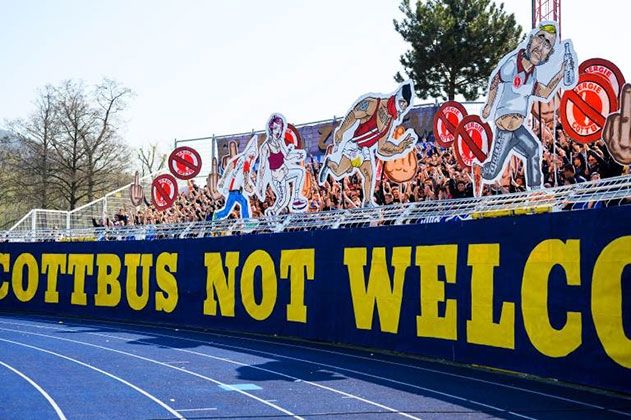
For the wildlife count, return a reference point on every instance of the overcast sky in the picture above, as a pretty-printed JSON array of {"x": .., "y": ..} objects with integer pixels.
[{"x": 218, "y": 67}]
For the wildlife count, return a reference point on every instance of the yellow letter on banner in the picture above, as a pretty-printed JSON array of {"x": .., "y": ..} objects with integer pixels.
[
  {"x": 428, "y": 323},
  {"x": 534, "y": 297},
  {"x": 135, "y": 300},
  {"x": 32, "y": 277},
  {"x": 4, "y": 286},
  {"x": 108, "y": 286},
  {"x": 53, "y": 265},
  {"x": 79, "y": 265},
  {"x": 216, "y": 281},
  {"x": 262, "y": 259},
  {"x": 167, "y": 297},
  {"x": 483, "y": 258},
  {"x": 607, "y": 300},
  {"x": 380, "y": 290},
  {"x": 293, "y": 264}
]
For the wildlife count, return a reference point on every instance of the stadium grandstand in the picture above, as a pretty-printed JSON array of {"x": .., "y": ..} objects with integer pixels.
[
  {"x": 577, "y": 176},
  {"x": 443, "y": 260}
]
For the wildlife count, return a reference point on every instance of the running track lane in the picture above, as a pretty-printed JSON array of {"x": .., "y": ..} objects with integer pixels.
[{"x": 58, "y": 368}]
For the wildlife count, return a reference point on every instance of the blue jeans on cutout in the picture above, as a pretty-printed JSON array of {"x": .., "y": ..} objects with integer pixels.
[{"x": 234, "y": 197}]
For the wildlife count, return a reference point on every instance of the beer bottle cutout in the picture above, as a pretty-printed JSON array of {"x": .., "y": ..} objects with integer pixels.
[{"x": 569, "y": 73}]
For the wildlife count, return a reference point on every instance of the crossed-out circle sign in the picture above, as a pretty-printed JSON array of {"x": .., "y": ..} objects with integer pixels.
[
  {"x": 585, "y": 108},
  {"x": 185, "y": 162},
  {"x": 473, "y": 141},
  {"x": 606, "y": 69},
  {"x": 446, "y": 122},
  {"x": 163, "y": 191},
  {"x": 292, "y": 136}
]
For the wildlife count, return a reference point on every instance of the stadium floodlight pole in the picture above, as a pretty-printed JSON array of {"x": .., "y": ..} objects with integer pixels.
[
  {"x": 546, "y": 10},
  {"x": 536, "y": 15},
  {"x": 558, "y": 8},
  {"x": 551, "y": 11}
]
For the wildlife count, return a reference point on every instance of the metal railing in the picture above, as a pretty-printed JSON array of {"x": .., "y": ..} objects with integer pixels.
[
  {"x": 81, "y": 217},
  {"x": 611, "y": 191}
]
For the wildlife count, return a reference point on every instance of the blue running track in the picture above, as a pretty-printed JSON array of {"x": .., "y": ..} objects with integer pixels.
[{"x": 79, "y": 369}]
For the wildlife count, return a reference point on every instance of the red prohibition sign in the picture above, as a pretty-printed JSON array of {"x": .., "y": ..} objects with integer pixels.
[
  {"x": 163, "y": 191},
  {"x": 585, "y": 108},
  {"x": 292, "y": 136},
  {"x": 473, "y": 141},
  {"x": 606, "y": 69},
  {"x": 446, "y": 122},
  {"x": 185, "y": 162}
]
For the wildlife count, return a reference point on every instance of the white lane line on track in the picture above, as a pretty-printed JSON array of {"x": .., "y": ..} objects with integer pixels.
[
  {"x": 339, "y": 353},
  {"x": 136, "y": 388},
  {"x": 345, "y": 395},
  {"x": 404, "y": 365},
  {"x": 216, "y": 382},
  {"x": 371, "y": 359},
  {"x": 455, "y": 397},
  {"x": 316, "y": 363},
  {"x": 354, "y": 356},
  {"x": 444, "y": 394},
  {"x": 234, "y": 362},
  {"x": 186, "y": 410},
  {"x": 41, "y": 390}
]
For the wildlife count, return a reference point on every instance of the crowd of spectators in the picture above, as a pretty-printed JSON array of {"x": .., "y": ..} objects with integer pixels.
[{"x": 438, "y": 177}]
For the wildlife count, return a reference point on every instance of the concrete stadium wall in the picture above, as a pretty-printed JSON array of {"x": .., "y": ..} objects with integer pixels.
[{"x": 548, "y": 295}]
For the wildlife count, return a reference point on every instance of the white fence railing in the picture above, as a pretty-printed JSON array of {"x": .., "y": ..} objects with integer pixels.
[
  {"x": 612, "y": 191},
  {"x": 81, "y": 217}
]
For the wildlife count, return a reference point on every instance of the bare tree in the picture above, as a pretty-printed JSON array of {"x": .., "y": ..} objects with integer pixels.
[
  {"x": 151, "y": 159},
  {"x": 32, "y": 162},
  {"x": 70, "y": 150},
  {"x": 75, "y": 117},
  {"x": 106, "y": 156},
  {"x": 13, "y": 203}
]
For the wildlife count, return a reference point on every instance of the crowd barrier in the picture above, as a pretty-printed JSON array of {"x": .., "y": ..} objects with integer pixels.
[
  {"x": 36, "y": 227},
  {"x": 545, "y": 294}
]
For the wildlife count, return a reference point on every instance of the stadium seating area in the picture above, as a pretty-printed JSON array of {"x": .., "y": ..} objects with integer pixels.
[{"x": 438, "y": 177}]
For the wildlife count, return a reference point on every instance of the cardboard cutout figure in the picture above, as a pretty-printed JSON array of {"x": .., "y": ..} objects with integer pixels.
[
  {"x": 512, "y": 87},
  {"x": 136, "y": 193},
  {"x": 236, "y": 184},
  {"x": 280, "y": 167},
  {"x": 368, "y": 130},
  {"x": 402, "y": 169},
  {"x": 617, "y": 130}
]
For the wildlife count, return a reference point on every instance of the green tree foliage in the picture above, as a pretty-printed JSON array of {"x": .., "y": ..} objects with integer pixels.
[{"x": 455, "y": 45}]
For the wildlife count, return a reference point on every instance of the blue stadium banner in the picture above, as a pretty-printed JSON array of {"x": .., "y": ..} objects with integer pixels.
[{"x": 548, "y": 295}]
